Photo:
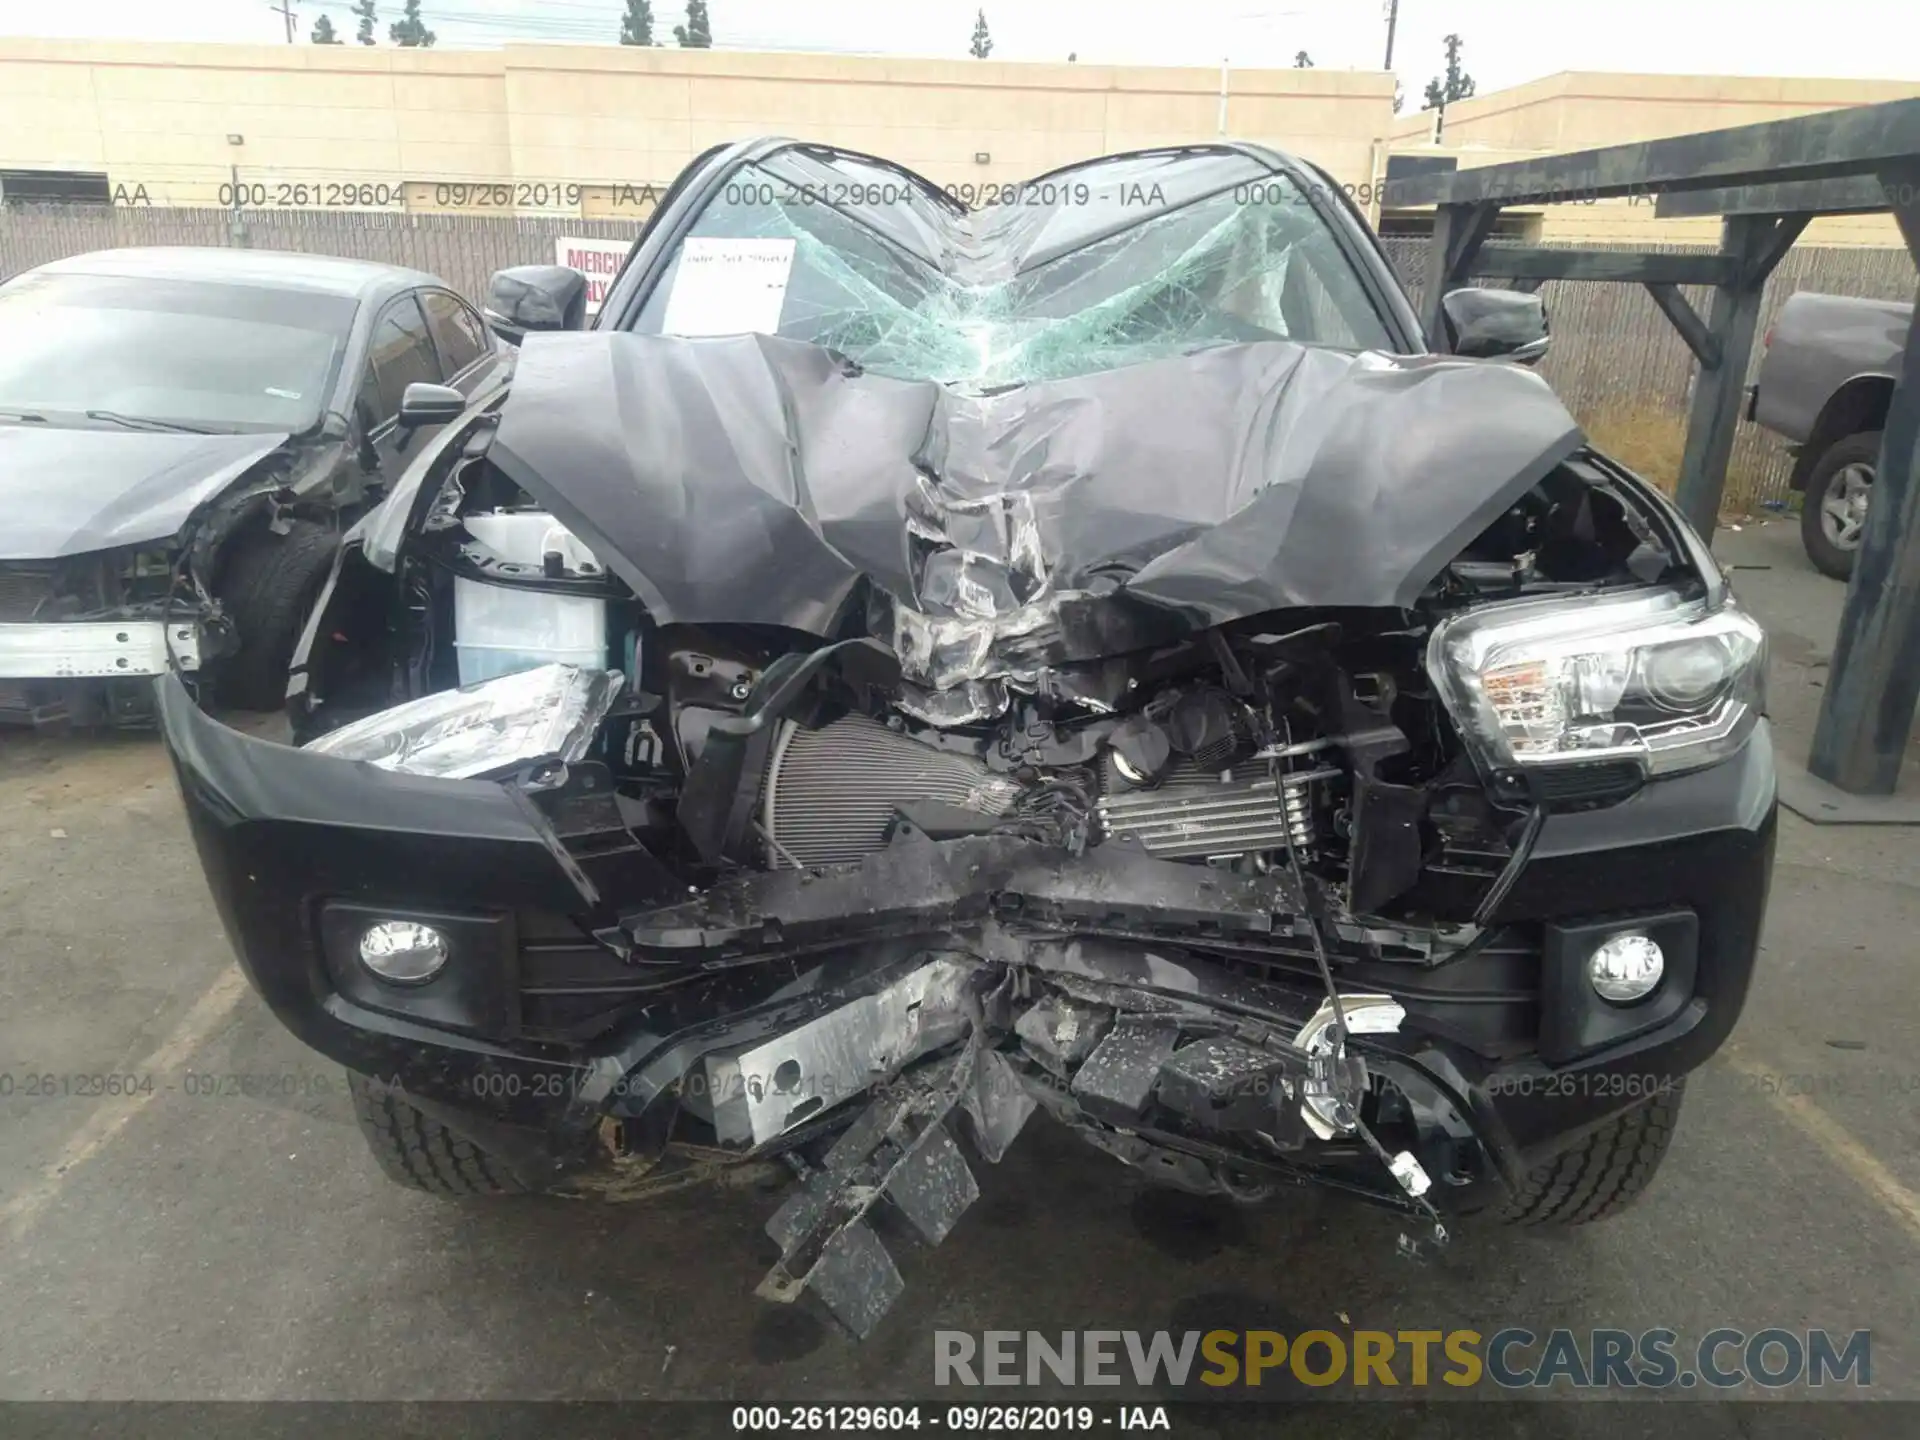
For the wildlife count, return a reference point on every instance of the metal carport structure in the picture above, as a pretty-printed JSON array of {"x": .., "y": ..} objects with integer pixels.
[{"x": 1766, "y": 181}]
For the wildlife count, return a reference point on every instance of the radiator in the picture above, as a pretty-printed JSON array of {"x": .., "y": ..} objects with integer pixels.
[{"x": 830, "y": 793}]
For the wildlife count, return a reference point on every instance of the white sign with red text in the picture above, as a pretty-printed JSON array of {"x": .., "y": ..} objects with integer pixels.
[{"x": 598, "y": 260}]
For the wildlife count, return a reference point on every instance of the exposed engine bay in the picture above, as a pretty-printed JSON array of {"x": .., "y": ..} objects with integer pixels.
[{"x": 1309, "y": 739}]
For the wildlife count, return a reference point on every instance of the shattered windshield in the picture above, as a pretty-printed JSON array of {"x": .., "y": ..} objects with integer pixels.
[{"x": 1101, "y": 267}]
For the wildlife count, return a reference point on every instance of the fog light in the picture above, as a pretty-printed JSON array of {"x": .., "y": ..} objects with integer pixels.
[
  {"x": 403, "y": 952},
  {"x": 1625, "y": 968}
]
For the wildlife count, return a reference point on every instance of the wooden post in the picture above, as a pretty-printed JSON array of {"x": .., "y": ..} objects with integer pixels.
[{"x": 1867, "y": 712}]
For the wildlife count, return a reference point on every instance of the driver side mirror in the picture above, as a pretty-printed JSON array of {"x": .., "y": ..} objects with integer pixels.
[
  {"x": 1495, "y": 325},
  {"x": 536, "y": 297},
  {"x": 424, "y": 403}
]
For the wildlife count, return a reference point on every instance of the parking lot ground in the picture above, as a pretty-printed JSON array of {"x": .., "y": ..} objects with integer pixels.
[{"x": 186, "y": 1245}]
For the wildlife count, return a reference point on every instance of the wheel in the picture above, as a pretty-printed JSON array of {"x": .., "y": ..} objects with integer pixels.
[
  {"x": 268, "y": 588},
  {"x": 1833, "y": 513},
  {"x": 1604, "y": 1173},
  {"x": 419, "y": 1152}
]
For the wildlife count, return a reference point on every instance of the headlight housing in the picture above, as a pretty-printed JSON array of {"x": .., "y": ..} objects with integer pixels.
[
  {"x": 497, "y": 726},
  {"x": 1651, "y": 677}
]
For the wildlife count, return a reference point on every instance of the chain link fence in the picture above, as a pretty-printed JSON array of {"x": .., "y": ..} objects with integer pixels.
[{"x": 1616, "y": 362}]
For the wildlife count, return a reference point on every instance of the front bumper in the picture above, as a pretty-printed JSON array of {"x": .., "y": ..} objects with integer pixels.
[
  {"x": 563, "y": 1009},
  {"x": 96, "y": 649}
]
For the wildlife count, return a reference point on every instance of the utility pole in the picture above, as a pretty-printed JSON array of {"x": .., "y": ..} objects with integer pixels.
[
  {"x": 285, "y": 10},
  {"x": 1393, "y": 19}
]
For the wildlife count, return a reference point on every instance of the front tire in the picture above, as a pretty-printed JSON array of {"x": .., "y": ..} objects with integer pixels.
[
  {"x": 268, "y": 588},
  {"x": 1833, "y": 513},
  {"x": 419, "y": 1152},
  {"x": 1605, "y": 1173}
]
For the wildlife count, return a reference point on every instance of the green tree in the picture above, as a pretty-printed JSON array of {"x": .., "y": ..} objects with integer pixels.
[
  {"x": 1456, "y": 84},
  {"x": 409, "y": 30},
  {"x": 697, "y": 33},
  {"x": 636, "y": 26},
  {"x": 1303, "y": 61},
  {"x": 323, "y": 32},
  {"x": 366, "y": 14},
  {"x": 982, "y": 45}
]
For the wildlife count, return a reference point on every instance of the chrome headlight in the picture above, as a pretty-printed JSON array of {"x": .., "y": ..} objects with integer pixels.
[
  {"x": 1649, "y": 677},
  {"x": 547, "y": 713}
]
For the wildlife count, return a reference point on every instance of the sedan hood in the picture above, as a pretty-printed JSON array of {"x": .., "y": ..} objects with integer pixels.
[
  {"x": 760, "y": 480},
  {"x": 67, "y": 492}
]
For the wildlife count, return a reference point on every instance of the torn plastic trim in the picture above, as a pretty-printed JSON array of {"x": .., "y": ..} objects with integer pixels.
[
  {"x": 1105, "y": 1072},
  {"x": 922, "y": 885}
]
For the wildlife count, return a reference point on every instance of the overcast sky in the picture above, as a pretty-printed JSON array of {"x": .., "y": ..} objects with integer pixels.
[{"x": 1507, "y": 41}]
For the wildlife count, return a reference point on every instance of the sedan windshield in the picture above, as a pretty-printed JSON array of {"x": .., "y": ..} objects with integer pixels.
[
  {"x": 1100, "y": 267},
  {"x": 168, "y": 352}
]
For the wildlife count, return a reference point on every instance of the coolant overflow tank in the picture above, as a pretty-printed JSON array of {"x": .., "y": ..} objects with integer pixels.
[{"x": 501, "y": 629}]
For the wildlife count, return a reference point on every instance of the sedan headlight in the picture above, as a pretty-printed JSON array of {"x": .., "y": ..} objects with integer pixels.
[
  {"x": 1649, "y": 677},
  {"x": 547, "y": 713}
]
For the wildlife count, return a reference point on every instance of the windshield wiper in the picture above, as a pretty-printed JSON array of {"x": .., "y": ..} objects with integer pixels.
[
  {"x": 29, "y": 416},
  {"x": 145, "y": 422}
]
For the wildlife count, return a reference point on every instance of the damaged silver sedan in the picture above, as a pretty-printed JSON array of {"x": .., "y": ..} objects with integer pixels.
[{"x": 908, "y": 669}]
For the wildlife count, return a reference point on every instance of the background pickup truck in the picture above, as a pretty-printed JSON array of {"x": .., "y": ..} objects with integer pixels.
[{"x": 1826, "y": 377}]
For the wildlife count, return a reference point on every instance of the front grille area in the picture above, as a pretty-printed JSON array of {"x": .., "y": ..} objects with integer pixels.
[{"x": 24, "y": 589}]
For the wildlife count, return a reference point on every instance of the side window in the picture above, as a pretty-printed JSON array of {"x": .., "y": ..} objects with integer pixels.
[
  {"x": 457, "y": 331},
  {"x": 400, "y": 354}
]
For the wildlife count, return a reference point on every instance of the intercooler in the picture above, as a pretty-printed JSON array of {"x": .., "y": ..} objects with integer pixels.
[{"x": 830, "y": 793}]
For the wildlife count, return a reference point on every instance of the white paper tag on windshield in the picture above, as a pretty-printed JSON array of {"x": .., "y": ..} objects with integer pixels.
[{"x": 729, "y": 287}]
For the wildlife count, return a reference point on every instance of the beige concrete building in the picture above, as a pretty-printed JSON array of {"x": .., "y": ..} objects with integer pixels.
[
  {"x": 596, "y": 130},
  {"x": 1582, "y": 111},
  {"x": 585, "y": 129}
]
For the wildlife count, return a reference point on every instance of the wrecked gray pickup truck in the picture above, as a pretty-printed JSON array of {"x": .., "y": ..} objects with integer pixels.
[{"x": 905, "y": 669}]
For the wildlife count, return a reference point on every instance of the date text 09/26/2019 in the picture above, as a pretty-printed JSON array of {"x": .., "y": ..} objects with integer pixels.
[{"x": 950, "y": 1419}]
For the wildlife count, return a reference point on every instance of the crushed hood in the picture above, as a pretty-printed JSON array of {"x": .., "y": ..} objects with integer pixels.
[
  {"x": 758, "y": 480},
  {"x": 67, "y": 492}
]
